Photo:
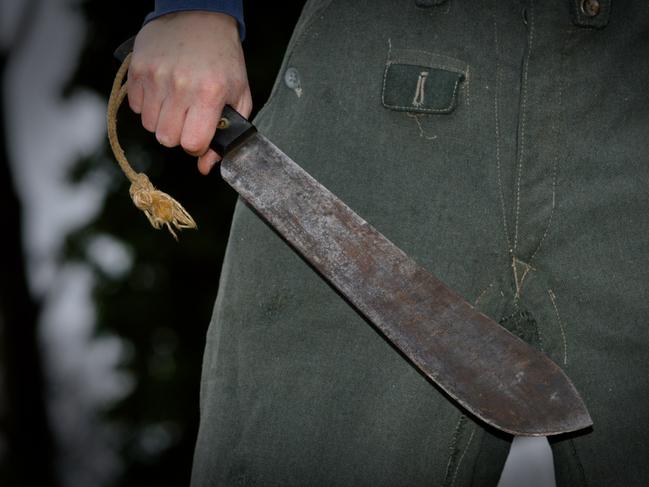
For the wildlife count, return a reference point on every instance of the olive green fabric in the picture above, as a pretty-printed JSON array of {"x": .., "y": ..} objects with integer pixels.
[
  {"x": 402, "y": 80},
  {"x": 530, "y": 198},
  {"x": 421, "y": 82}
]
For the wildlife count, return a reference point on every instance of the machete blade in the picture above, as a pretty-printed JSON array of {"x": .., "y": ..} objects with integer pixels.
[{"x": 493, "y": 374}]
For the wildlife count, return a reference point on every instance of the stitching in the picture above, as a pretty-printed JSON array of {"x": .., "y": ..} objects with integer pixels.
[
  {"x": 555, "y": 168},
  {"x": 421, "y": 128},
  {"x": 433, "y": 66},
  {"x": 429, "y": 64},
  {"x": 528, "y": 267},
  {"x": 453, "y": 447},
  {"x": 385, "y": 71},
  {"x": 497, "y": 126},
  {"x": 432, "y": 63},
  {"x": 553, "y": 298},
  {"x": 540, "y": 335},
  {"x": 421, "y": 110},
  {"x": 467, "y": 87},
  {"x": 459, "y": 462},
  {"x": 519, "y": 282},
  {"x": 420, "y": 91},
  {"x": 554, "y": 194},
  {"x": 528, "y": 55},
  {"x": 480, "y": 296},
  {"x": 580, "y": 465}
]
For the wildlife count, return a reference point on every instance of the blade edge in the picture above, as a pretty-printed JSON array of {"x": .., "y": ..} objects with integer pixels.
[{"x": 401, "y": 298}]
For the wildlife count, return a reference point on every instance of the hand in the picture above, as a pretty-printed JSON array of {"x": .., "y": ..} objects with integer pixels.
[{"x": 185, "y": 67}]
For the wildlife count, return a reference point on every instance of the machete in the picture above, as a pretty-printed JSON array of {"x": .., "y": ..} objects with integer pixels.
[{"x": 490, "y": 372}]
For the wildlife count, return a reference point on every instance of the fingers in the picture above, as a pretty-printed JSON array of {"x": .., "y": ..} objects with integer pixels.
[
  {"x": 207, "y": 161},
  {"x": 146, "y": 92},
  {"x": 200, "y": 125},
  {"x": 181, "y": 113},
  {"x": 171, "y": 120},
  {"x": 244, "y": 105},
  {"x": 135, "y": 94},
  {"x": 178, "y": 111},
  {"x": 185, "y": 67},
  {"x": 151, "y": 104}
]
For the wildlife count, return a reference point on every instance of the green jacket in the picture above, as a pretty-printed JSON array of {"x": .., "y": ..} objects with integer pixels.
[{"x": 516, "y": 169}]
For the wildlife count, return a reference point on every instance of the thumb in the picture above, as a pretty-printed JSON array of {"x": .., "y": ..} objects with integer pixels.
[{"x": 207, "y": 161}]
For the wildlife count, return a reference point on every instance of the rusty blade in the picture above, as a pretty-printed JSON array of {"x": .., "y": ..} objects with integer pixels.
[{"x": 490, "y": 372}]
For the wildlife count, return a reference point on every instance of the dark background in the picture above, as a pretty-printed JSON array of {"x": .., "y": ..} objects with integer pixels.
[{"x": 161, "y": 307}]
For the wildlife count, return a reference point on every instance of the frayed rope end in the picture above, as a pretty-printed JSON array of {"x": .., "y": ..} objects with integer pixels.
[{"x": 160, "y": 208}]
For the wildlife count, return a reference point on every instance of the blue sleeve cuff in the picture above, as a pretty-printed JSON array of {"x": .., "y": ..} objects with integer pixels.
[{"x": 233, "y": 8}]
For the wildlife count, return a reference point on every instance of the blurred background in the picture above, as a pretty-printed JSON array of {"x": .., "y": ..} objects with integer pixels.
[{"x": 102, "y": 318}]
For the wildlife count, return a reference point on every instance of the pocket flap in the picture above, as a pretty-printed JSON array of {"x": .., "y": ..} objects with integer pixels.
[{"x": 421, "y": 82}]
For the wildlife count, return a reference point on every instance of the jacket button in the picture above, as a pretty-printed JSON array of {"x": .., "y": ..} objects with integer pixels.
[
  {"x": 292, "y": 78},
  {"x": 590, "y": 8},
  {"x": 292, "y": 81}
]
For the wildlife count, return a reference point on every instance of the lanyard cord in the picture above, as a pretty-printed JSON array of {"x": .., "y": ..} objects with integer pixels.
[{"x": 160, "y": 208}]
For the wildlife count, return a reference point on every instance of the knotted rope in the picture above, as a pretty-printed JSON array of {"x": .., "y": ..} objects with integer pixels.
[{"x": 160, "y": 208}]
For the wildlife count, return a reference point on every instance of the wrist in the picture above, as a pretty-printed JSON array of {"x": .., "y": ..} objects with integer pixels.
[
  {"x": 231, "y": 8},
  {"x": 200, "y": 21}
]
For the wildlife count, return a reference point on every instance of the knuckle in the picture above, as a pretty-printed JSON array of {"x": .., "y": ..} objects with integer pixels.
[
  {"x": 136, "y": 68},
  {"x": 191, "y": 144},
  {"x": 157, "y": 73},
  {"x": 209, "y": 90},
  {"x": 180, "y": 81}
]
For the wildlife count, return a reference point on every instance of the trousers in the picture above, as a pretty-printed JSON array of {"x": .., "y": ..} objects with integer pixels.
[{"x": 503, "y": 145}]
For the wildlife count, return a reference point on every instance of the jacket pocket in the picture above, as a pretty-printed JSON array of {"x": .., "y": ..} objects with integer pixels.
[{"x": 421, "y": 82}]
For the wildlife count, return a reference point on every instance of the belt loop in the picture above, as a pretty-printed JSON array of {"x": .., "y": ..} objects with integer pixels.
[{"x": 590, "y": 13}]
